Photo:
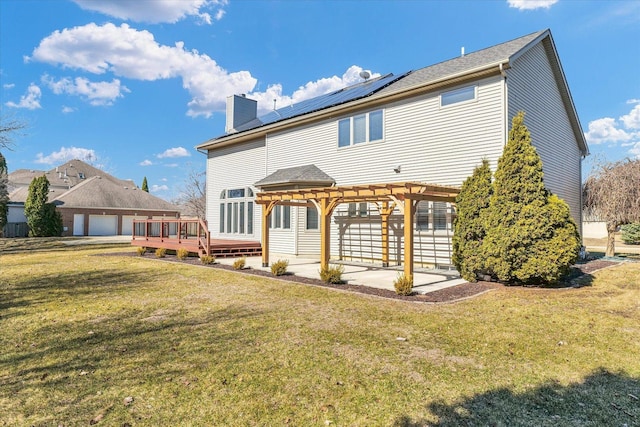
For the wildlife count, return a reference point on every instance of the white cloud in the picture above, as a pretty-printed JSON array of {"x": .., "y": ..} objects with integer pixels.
[
  {"x": 632, "y": 120},
  {"x": 67, "y": 110},
  {"x": 531, "y": 4},
  {"x": 134, "y": 54},
  {"x": 8, "y": 85},
  {"x": 174, "y": 152},
  {"x": 146, "y": 163},
  {"x": 624, "y": 131},
  {"x": 65, "y": 154},
  {"x": 30, "y": 101},
  {"x": 97, "y": 93},
  {"x": 605, "y": 130},
  {"x": 157, "y": 188},
  {"x": 156, "y": 11}
]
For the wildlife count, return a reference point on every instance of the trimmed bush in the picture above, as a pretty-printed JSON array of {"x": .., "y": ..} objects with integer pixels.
[
  {"x": 141, "y": 250},
  {"x": 279, "y": 268},
  {"x": 182, "y": 254},
  {"x": 207, "y": 259},
  {"x": 332, "y": 274},
  {"x": 240, "y": 263},
  {"x": 403, "y": 284},
  {"x": 530, "y": 236},
  {"x": 469, "y": 231},
  {"x": 161, "y": 253},
  {"x": 631, "y": 233}
]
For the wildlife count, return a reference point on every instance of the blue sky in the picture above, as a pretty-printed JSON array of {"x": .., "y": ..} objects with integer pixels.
[{"x": 132, "y": 86}]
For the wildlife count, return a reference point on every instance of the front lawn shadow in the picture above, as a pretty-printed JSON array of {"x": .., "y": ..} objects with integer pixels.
[{"x": 603, "y": 398}]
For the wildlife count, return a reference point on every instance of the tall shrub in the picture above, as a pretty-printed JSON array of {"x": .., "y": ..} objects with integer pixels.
[
  {"x": 469, "y": 231},
  {"x": 145, "y": 184},
  {"x": 531, "y": 237},
  {"x": 42, "y": 217},
  {"x": 4, "y": 193}
]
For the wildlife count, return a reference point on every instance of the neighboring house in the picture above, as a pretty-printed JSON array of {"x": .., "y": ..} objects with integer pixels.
[
  {"x": 91, "y": 202},
  {"x": 433, "y": 125}
]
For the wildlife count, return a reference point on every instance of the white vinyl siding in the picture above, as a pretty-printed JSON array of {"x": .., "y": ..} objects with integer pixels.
[
  {"x": 228, "y": 168},
  {"x": 532, "y": 88},
  {"x": 431, "y": 144}
]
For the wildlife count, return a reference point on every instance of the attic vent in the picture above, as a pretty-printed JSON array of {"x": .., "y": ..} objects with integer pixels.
[{"x": 81, "y": 175}]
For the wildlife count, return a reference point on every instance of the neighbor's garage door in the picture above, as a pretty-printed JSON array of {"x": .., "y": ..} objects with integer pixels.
[
  {"x": 103, "y": 225},
  {"x": 127, "y": 224}
]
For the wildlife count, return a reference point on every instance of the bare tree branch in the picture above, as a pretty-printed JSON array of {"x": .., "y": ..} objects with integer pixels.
[
  {"x": 193, "y": 195},
  {"x": 612, "y": 193},
  {"x": 9, "y": 129}
]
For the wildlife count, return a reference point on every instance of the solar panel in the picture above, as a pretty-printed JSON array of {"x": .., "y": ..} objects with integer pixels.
[{"x": 321, "y": 102}]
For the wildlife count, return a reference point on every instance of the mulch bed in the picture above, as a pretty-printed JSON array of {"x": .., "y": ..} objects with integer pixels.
[{"x": 450, "y": 294}]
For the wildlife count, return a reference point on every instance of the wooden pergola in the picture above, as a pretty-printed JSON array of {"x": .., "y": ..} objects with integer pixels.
[{"x": 387, "y": 197}]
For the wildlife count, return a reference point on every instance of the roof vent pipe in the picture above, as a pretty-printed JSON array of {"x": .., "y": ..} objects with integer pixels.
[{"x": 462, "y": 51}]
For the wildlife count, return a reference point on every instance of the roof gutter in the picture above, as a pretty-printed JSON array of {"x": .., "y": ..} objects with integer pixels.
[{"x": 495, "y": 68}]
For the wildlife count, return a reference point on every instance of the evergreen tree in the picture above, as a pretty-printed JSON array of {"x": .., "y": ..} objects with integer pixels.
[
  {"x": 469, "y": 231},
  {"x": 4, "y": 193},
  {"x": 531, "y": 237},
  {"x": 42, "y": 217},
  {"x": 145, "y": 185}
]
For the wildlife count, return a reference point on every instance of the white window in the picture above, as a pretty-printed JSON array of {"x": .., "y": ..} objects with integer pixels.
[
  {"x": 358, "y": 210},
  {"x": 281, "y": 217},
  {"x": 236, "y": 211},
  {"x": 434, "y": 216},
  {"x": 360, "y": 129},
  {"x": 456, "y": 96},
  {"x": 312, "y": 218}
]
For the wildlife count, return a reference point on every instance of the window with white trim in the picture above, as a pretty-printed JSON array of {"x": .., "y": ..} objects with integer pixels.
[
  {"x": 362, "y": 128},
  {"x": 312, "y": 218},
  {"x": 434, "y": 216},
  {"x": 236, "y": 211},
  {"x": 456, "y": 96},
  {"x": 358, "y": 210},
  {"x": 281, "y": 217}
]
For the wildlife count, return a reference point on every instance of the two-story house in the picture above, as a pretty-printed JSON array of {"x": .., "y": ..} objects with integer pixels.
[{"x": 415, "y": 136}]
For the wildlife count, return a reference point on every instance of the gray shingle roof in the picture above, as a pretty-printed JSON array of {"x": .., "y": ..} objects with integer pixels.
[
  {"x": 308, "y": 176},
  {"x": 461, "y": 64},
  {"x": 99, "y": 192}
]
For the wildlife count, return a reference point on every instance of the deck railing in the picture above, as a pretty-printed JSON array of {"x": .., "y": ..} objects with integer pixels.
[{"x": 191, "y": 233}]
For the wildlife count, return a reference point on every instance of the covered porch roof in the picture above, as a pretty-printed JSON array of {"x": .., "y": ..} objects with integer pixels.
[{"x": 386, "y": 196}]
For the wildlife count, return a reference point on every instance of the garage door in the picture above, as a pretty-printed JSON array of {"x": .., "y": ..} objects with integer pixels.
[
  {"x": 103, "y": 225},
  {"x": 127, "y": 224}
]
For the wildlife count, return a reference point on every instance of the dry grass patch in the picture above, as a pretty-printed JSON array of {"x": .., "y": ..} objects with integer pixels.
[{"x": 82, "y": 333}]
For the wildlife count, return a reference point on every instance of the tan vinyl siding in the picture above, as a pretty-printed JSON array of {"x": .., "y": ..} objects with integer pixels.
[
  {"x": 533, "y": 89},
  {"x": 237, "y": 166}
]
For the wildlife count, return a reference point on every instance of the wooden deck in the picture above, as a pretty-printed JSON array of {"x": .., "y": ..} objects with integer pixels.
[{"x": 190, "y": 234}]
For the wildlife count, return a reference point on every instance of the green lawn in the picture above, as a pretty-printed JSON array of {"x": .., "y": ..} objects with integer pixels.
[{"x": 80, "y": 332}]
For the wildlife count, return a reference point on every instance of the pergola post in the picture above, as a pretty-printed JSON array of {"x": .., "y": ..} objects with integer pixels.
[
  {"x": 408, "y": 236},
  {"x": 266, "y": 216},
  {"x": 385, "y": 212},
  {"x": 325, "y": 233}
]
